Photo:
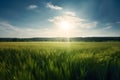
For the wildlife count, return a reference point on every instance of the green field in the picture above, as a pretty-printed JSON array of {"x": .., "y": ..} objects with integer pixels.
[{"x": 60, "y": 61}]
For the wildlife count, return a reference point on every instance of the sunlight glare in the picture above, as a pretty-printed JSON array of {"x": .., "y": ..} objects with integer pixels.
[{"x": 64, "y": 25}]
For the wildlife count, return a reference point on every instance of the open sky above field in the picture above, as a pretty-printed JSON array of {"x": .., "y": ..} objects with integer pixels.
[{"x": 59, "y": 18}]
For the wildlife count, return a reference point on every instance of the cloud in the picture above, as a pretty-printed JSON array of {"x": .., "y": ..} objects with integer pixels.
[
  {"x": 31, "y": 7},
  {"x": 7, "y": 26},
  {"x": 107, "y": 24},
  {"x": 118, "y": 22},
  {"x": 74, "y": 21},
  {"x": 89, "y": 25},
  {"x": 55, "y": 7},
  {"x": 70, "y": 13},
  {"x": 9, "y": 30},
  {"x": 108, "y": 27}
]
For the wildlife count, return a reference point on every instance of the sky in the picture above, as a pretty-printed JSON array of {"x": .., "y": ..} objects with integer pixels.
[{"x": 59, "y": 18}]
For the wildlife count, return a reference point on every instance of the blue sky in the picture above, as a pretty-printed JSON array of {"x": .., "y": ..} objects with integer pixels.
[{"x": 59, "y": 18}]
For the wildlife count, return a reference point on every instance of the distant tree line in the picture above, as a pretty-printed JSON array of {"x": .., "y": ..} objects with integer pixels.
[{"x": 83, "y": 39}]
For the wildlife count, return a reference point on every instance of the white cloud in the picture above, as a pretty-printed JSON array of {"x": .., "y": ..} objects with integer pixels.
[
  {"x": 7, "y": 26},
  {"x": 74, "y": 21},
  {"x": 89, "y": 25},
  {"x": 70, "y": 13},
  {"x": 108, "y": 27},
  {"x": 31, "y": 7},
  {"x": 9, "y": 30},
  {"x": 55, "y": 7}
]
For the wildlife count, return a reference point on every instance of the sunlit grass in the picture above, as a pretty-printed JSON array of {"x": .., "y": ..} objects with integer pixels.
[{"x": 59, "y": 61}]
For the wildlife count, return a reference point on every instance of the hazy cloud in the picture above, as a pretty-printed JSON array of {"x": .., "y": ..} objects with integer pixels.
[
  {"x": 55, "y": 7},
  {"x": 31, "y": 7},
  {"x": 70, "y": 13},
  {"x": 108, "y": 27},
  {"x": 107, "y": 24},
  {"x": 118, "y": 22},
  {"x": 9, "y": 30},
  {"x": 73, "y": 20},
  {"x": 7, "y": 26},
  {"x": 89, "y": 25}
]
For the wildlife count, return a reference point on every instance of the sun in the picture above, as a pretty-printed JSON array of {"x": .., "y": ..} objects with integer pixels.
[{"x": 64, "y": 25}]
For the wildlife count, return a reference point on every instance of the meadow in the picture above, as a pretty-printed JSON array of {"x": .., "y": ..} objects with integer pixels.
[{"x": 59, "y": 60}]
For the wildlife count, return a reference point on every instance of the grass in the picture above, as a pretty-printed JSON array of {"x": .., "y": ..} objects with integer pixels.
[{"x": 60, "y": 61}]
